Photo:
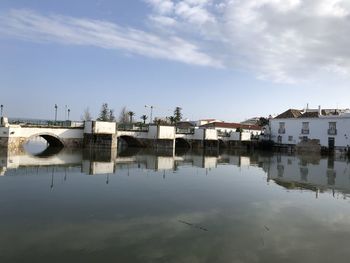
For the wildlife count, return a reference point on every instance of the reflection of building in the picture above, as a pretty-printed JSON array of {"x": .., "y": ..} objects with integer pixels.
[
  {"x": 292, "y": 172},
  {"x": 310, "y": 173}
]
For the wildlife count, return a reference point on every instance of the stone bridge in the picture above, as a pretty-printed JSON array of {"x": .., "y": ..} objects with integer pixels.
[
  {"x": 14, "y": 136},
  {"x": 107, "y": 135}
]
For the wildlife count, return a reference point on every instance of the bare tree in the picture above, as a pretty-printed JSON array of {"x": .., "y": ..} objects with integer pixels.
[
  {"x": 123, "y": 115},
  {"x": 86, "y": 115}
]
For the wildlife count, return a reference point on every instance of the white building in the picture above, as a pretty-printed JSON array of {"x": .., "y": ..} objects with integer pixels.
[
  {"x": 229, "y": 127},
  {"x": 331, "y": 129}
]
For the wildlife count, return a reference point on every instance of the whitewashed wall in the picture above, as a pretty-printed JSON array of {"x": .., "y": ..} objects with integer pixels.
[
  {"x": 17, "y": 132},
  {"x": 211, "y": 134},
  {"x": 166, "y": 132},
  {"x": 318, "y": 130}
]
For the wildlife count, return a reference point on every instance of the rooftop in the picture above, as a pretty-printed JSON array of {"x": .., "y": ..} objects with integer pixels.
[{"x": 231, "y": 125}]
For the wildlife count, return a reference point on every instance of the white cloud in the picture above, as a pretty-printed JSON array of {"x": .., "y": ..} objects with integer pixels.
[
  {"x": 29, "y": 25},
  {"x": 162, "y": 6},
  {"x": 280, "y": 40}
]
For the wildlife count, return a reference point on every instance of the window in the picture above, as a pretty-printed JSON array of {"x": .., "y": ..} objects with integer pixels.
[
  {"x": 332, "y": 130},
  {"x": 290, "y": 138},
  {"x": 282, "y": 128},
  {"x": 305, "y": 128}
]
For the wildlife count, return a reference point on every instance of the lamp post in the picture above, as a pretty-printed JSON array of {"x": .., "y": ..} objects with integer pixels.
[
  {"x": 151, "y": 112},
  {"x": 56, "y": 113},
  {"x": 68, "y": 113},
  {"x": 2, "y": 108}
]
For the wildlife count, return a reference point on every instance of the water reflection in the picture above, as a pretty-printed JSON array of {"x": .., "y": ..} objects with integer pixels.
[
  {"x": 144, "y": 206},
  {"x": 291, "y": 172}
]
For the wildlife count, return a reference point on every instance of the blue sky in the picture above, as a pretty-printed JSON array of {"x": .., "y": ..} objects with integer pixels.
[{"x": 222, "y": 59}]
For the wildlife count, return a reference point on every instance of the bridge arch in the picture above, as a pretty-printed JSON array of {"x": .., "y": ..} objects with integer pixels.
[
  {"x": 52, "y": 139},
  {"x": 222, "y": 144},
  {"x": 129, "y": 141},
  {"x": 182, "y": 143}
]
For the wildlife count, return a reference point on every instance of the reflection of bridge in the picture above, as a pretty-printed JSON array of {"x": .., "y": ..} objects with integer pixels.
[
  {"x": 292, "y": 172},
  {"x": 107, "y": 135},
  {"x": 102, "y": 162}
]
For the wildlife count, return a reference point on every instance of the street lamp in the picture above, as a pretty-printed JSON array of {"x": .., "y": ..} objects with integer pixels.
[
  {"x": 2, "y": 108},
  {"x": 151, "y": 110},
  {"x": 56, "y": 113},
  {"x": 68, "y": 113}
]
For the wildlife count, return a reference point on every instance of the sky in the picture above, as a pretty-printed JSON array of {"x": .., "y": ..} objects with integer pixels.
[{"x": 224, "y": 59}]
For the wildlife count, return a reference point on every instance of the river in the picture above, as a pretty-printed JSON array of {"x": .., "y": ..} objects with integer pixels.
[{"x": 142, "y": 206}]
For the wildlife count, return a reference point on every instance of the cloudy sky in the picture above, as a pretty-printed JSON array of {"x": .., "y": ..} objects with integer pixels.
[{"x": 228, "y": 59}]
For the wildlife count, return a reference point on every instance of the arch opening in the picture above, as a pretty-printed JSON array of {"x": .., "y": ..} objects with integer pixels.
[
  {"x": 52, "y": 141},
  {"x": 128, "y": 141},
  {"x": 182, "y": 143},
  {"x": 43, "y": 145},
  {"x": 222, "y": 144}
]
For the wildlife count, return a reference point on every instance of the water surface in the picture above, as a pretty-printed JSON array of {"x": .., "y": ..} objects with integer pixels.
[{"x": 139, "y": 206}]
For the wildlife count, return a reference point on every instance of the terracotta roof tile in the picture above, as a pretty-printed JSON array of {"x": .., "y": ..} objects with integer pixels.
[{"x": 291, "y": 113}]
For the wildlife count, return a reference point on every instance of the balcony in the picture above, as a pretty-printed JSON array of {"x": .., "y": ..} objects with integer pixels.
[
  {"x": 332, "y": 131},
  {"x": 281, "y": 130},
  {"x": 305, "y": 131}
]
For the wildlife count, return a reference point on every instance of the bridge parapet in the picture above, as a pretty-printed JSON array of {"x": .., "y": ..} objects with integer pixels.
[{"x": 15, "y": 136}]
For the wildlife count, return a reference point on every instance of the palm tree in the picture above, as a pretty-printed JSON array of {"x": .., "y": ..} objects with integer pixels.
[
  {"x": 144, "y": 118},
  {"x": 131, "y": 114}
]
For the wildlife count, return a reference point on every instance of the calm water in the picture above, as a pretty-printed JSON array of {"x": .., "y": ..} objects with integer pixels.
[{"x": 144, "y": 207}]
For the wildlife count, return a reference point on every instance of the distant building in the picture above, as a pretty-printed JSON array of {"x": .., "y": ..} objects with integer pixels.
[
  {"x": 329, "y": 128},
  {"x": 206, "y": 121},
  {"x": 186, "y": 124},
  {"x": 228, "y": 127},
  {"x": 251, "y": 121}
]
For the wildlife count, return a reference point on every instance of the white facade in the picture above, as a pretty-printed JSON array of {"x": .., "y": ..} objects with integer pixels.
[
  {"x": 16, "y": 131},
  {"x": 232, "y": 130},
  {"x": 324, "y": 128},
  {"x": 99, "y": 127}
]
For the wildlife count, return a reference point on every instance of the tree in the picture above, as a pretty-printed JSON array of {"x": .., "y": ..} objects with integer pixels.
[
  {"x": 239, "y": 130},
  {"x": 86, "y": 115},
  {"x": 131, "y": 114},
  {"x": 106, "y": 114},
  {"x": 172, "y": 120},
  {"x": 263, "y": 122},
  {"x": 144, "y": 118},
  {"x": 123, "y": 115},
  {"x": 177, "y": 114},
  {"x": 111, "y": 115}
]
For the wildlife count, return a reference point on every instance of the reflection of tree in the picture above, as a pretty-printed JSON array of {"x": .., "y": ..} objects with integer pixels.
[
  {"x": 331, "y": 174},
  {"x": 280, "y": 170},
  {"x": 279, "y": 158},
  {"x": 304, "y": 172}
]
